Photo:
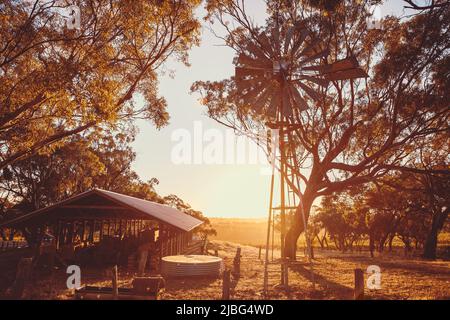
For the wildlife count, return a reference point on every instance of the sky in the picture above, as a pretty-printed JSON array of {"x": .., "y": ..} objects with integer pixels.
[{"x": 215, "y": 185}]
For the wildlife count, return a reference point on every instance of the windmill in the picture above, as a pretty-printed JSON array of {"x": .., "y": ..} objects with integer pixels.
[{"x": 276, "y": 75}]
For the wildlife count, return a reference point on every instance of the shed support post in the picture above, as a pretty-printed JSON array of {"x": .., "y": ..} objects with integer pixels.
[
  {"x": 101, "y": 230},
  {"x": 83, "y": 231},
  {"x": 91, "y": 231},
  {"x": 114, "y": 283},
  {"x": 58, "y": 234}
]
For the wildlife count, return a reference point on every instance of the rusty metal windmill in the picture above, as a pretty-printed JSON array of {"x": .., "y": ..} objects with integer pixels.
[{"x": 276, "y": 75}]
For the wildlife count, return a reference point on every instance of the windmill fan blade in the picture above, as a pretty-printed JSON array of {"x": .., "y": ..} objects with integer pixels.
[
  {"x": 298, "y": 42},
  {"x": 249, "y": 97},
  {"x": 347, "y": 74},
  {"x": 241, "y": 73},
  {"x": 319, "y": 81},
  {"x": 263, "y": 98},
  {"x": 256, "y": 51},
  {"x": 287, "y": 40},
  {"x": 244, "y": 84},
  {"x": 310, "y": 92},
  {"x": 249, "y": 62},
  {"x": 300, "y": 103}
]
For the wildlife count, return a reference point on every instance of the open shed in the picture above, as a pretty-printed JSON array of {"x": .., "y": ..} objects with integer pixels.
[{"x": 106, "y": 227}]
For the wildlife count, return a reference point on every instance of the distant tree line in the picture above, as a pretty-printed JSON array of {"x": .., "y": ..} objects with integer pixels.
[{"x": 410, "y": 208}]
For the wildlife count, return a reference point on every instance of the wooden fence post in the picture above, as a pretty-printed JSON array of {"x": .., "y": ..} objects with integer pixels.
[
  {"x": 359, "y": 285},
  {"x": 115, "y": 288},
  {"x": 259, "y": 254},
  {"x": 205, "y": 246},
  {"x": 237, "y": 263},
  {"x": 23, "y": 273},
  {"x": 226, "y": 285}
]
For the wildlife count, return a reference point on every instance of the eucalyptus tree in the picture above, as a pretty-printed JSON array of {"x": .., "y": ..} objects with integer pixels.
[
  {"x": 60, "y": 77},
  {"x": 358, "y": 130}
]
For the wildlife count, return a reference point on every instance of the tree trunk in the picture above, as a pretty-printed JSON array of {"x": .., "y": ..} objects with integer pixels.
[
  {"x": 320, "y": 242},
  {"x": 337, "y": 243},
  {"x": 371, "y": 245},
  {"x": 431, "y": 241},
  {"x": 325, "y": 241},
  {"x": 350, "y": 244},
  {"x": 290, "y": 248},
  {"x": 382, "y": 243},
  {"x": 342, "y": 243},
  {"x": 407, "y": 243},
  {"x": 391, "y": 239}
]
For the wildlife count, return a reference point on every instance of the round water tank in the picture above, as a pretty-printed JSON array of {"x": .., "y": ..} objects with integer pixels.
[{"x": 191, "y": 265}]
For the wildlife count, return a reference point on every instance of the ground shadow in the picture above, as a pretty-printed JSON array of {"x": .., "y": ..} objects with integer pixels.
[
  {"x": 331, "y": 287},
  {"x": 192, "y": 283},
  {"x": 419, "y": 266}
]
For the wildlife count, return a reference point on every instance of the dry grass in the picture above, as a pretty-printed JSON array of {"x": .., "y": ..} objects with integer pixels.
[
  {"x": 333, "y": 273},
  {"x": 333, "y": 277}
]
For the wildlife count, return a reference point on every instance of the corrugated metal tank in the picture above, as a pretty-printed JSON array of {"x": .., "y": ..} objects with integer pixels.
[{"x": 191, "y": 265}]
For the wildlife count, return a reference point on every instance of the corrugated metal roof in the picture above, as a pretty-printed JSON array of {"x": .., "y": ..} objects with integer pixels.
[
  {"x": 154, "y": 210},
  {"x": 159, "y": 211}
]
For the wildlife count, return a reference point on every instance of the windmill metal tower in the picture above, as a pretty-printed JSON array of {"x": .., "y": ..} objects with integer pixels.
[{"x": 277, "y": 73}]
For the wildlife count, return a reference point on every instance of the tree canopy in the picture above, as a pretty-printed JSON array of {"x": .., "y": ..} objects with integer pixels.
[
  {"x": 359, "y": 130},
  {"x": 59, "y": 81}
]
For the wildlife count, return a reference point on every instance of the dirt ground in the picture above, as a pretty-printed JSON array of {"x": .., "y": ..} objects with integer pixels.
[{"x": 333, "y": 278}]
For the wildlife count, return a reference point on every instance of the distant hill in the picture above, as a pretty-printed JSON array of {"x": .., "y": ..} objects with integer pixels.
[{"x": 245, "y": 231}]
